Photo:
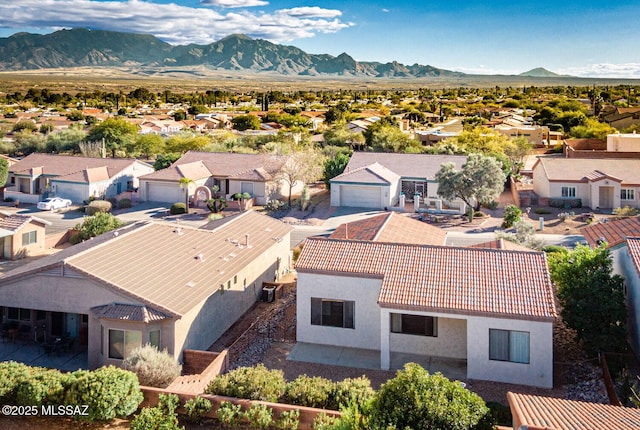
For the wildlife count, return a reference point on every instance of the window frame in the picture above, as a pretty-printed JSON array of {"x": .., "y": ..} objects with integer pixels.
[
  {"x": 627, "y": 194},
  {"x": 244, "y": 185},
  {"x": 126, "y": 334},
  {"x": 508, "y": 349},
  {"x": 322, "y": 316},
  {"x": 20, "y": 314},
  {"x": 157, "y": 344},
  {"x": 29, "y": 239},
  {"x": 404, "y": 323},
  {"x": 568, "y": 192}
]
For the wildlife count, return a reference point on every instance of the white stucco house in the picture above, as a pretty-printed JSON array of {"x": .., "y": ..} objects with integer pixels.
[
  {"x": 256, "y": 174},
  {"x": 172, "y": 286},
  {"x": 493, "y": 308},
  {"x": 376, "y": 180},
  {"x": 38, "y": 176},
  {"x": 605, "y": 183}
]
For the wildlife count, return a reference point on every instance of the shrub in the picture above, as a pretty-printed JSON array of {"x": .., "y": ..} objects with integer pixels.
[
  {"x": 351, "y": 390},
  {"x": 276, "y": 205},
  {"x": 178, "y": 208},
  {"x": 259, "y": 416},
  {"x": 161, "y": 417},
  {"x": 314, "y": 392},
  {"x": 44, "y": 386},
  {"x": 124, "y": 203},
  {"x": 109, "y": 392},
  {"x": 154, "y": 368},
  {"x": 254, "y": 383},
  {"x": 324, "y": 422},
  {"x": 95, "y": 225},
  {"x": 512, "y": 215},
  {"x": 96, "y": 206},
  {"x": 626, "y": 211},
  {"x": 196, "y": 409},
  {"x": 8, "y": 199},
  {"x": 564, "y": 216},
  {"x": 288, "y": 420},
  {"x": 501, "y": 414},
  {"x": 415, "y": 399},
  {"x": 229, "y": 414},
  {"x": 11, "y": 375},
  {"x": 542, "y": 211},
  {"x": 565, "y": 203},
  {"x": 478, "y": 214},
  {"x": 492, "y": 205}
]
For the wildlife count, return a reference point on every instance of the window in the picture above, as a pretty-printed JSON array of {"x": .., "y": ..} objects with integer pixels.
[
  {"x": 568, "y": 191},
  {"x": 414, "y": 324},
  {"x": 19, "y": 314},
  {"x": 627, "y": 194},
  {"x": 29, "y": 238},
  {"x": 246, "y": 187},
  {"x": 154, "y": 338},
  {"x": 123, "y": 342},
  {"x": 332, "y": 313},
  {"x": 235, "y": 279},
  {"x": 101, "y": 340},
  {"x": 508, "y": 345}
]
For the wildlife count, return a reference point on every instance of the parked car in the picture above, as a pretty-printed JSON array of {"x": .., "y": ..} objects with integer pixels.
[{"x": 53, "y": 203}]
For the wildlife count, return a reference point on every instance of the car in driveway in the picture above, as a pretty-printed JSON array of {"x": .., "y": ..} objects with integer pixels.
[{"x": 53, "y": 203}]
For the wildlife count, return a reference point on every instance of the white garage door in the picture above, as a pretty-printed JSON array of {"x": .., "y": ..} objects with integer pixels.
[
  {"x": 360, "y": 196},
  {"x": 167, "y": 193}
]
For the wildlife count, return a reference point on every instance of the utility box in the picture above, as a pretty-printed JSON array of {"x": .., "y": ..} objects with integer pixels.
[{"x": 268, "y": 294}]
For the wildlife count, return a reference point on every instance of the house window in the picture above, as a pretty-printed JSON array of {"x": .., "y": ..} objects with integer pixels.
[
  {"x": 29, "y": 238},
  {"x": 568, "y": 191},
  {"x": 19, "y": 314},
  {"x": 123, "y": 342},
  {"x": 414, "y": 324},
  {"x": 154, "y": 338},
  {"x": 246, "y": 187},
  {"x": 332, "y": 313},
  {"x": 627, "y": 194},
  {"x": 101, "y": 340},
  {"x": 509, "y": 345}
]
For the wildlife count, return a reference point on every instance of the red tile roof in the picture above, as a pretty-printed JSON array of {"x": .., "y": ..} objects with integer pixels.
[
  {"x": 536, "y": 412},
  {"x": 391, "y": 227},
  {"x": 510, "y": 284},
  {"x": 501, "y": 244},
  {"x": 14, "y": 222},
  {"x": 613, "y": 232}
]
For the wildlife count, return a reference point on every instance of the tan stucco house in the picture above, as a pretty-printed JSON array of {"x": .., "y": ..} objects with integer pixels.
[
  {"x": 21, "y": 235},
  {"x": 168, "y": 285},
  {"x": 493, "y": 309}
]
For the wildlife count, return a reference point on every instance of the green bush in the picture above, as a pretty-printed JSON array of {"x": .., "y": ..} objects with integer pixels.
[
  {"x": 259, "y": 416},
  {"x": 542, "y": 211},
  {"x": 414, "y": 399},
  {"x": 229, "y": 414},
  {"x": 161, "y": 417},
  {"x": 96, "y": 206},
  {"x": 12, "y": 374},
  {"x": 124, "y": 203},
  {"x": 178, "y": 208},
  {"x": 109, "y": 392},
  {"x": 565, "y": 203},
  {"x": 288, "y": 420},
  {"x": 154, "y": 368},
  {"x": 276, "y": 205},
  {"x": 626, "y": 211},
  {"x": 512, "y": 214},
  {"x": 95, "y": 225},
  {"x": 351, "y": 390},
  {"x": 254, "y": 383},
  {"x": 492, "y": 205},
  {"x": 196, "y": 409},
  {"x": 324, "y": 422},
  {"x": 44, "y": 386},
  {"x": 314, "y": 392}
]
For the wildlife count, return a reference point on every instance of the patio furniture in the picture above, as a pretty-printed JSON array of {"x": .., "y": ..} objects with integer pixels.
[
  {"x": 24, "y": 332},
  {"x": 54, "y": 346}
]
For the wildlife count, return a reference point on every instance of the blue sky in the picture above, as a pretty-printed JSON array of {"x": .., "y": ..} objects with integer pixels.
[{"x": 581, "y": 38}]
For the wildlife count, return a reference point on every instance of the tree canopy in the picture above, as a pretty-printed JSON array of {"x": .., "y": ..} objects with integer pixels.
[
  {"x": 246, "y": 122},
  {"x": 117, "y": 133},
  {"x": 95, "y": 225}
]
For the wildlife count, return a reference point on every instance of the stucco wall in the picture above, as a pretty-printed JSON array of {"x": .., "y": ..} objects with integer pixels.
[
  {"x": 19, "y": 251},
  {"x": 364, "y": 291},
  {"x": 451, "y": 341},
  {"x": 540, "y": 181},
  {"x": 632, "y": 281},
  {"x": 539, "y": 371}
]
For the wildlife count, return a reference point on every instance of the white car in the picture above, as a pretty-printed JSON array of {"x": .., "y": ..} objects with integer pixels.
[{"x": 53, "y": 203}]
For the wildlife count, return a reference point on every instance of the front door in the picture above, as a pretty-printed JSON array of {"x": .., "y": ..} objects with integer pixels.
[
  {"x": 606, "y": 198},
  {"x": 72, "y": 325}
]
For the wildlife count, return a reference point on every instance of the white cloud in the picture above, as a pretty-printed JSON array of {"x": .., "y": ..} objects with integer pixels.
[
  {"x": 604, "y": 70},
  {"x": 482, "y": 70},
  {"x": 170, "y": 22},
  {"x": 385, "y": 10},
  {"x": 234, "y": 3}
]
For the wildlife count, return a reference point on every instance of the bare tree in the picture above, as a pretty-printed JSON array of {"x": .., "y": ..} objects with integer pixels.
[{"x": 302, "y": 166}]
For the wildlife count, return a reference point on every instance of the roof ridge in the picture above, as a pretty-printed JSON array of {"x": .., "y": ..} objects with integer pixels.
[{"x": 382, "y": 227}]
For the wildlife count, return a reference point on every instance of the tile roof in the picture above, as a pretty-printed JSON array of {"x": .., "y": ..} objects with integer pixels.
[
  {"x": 633, "y": 245},
  {"x": 120, "y": 311},
  {"x": 372, "y": 173},
  {"x": 406, "y": 165},
  {"x": 613, "y": 232},
  {"x": 560, "y": 414},
  {"x": 501, "y": 244},
  {"x": 585, "y": 169},
  {"x": 391, "y": 227},
  {"x": 224, "y": 165},
  {"x": 159, "y": 264},
  {"x": 14, "y": 222},
  {"x": 510, "y": 284}
]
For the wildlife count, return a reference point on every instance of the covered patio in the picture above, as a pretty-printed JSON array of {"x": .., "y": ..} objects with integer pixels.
[{"x": 38, "y": 354}]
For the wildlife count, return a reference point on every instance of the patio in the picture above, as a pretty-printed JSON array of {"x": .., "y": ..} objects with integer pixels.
[{"x": 34, "y": 354}]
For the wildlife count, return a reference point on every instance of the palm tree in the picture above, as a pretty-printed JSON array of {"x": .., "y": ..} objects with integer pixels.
[{"x": 184, "y": 183}]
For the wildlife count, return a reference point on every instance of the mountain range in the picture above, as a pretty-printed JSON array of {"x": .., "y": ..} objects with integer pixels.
[{"x": 98, "y": 48}]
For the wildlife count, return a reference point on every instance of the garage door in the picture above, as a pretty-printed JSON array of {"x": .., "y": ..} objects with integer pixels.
[
  {"x": 166, "y": 193},
  {"x": 360, "y": 197}
]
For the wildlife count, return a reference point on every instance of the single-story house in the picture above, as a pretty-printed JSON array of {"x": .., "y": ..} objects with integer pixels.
[
  {"x": 376, "y": 180},
  {"x": 492, "y": 308},
  {"x": 531, "y": 412},
  {"x": 256, "y": 174},
  {"x": 172, "y": 286},
  {"x": 38, "y": 176},
  {"x": 21, "y": 235},
  {"x": 597, "y": 183}
]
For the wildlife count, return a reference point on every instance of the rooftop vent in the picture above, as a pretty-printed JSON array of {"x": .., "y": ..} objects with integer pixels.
[
  {"x": 191, "y": 284},
  {"x": 200, "y": 257}
]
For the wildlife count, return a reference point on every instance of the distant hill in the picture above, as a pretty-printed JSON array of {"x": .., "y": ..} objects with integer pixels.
[
  {"x": 97, "y": 48},
  {"x": 540, "y": 72}
]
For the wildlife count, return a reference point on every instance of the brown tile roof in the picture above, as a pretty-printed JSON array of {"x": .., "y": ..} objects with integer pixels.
[
  {"x": 510, "y": 284},
  {"x": 406, "y": 165},
  {"x": 119, "y": 311},
  {"x": 560, "y": 414},
  {"x": 13, "y": 222},
  {"x": 159, "y": 264},
  {"x": 613, "y": 232},
  {"x": 501, "y": 244},
  {"x": 391, "y": 227},
  {"x": 580, "y": 169},
  {"x": 633, "y": 245}
]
